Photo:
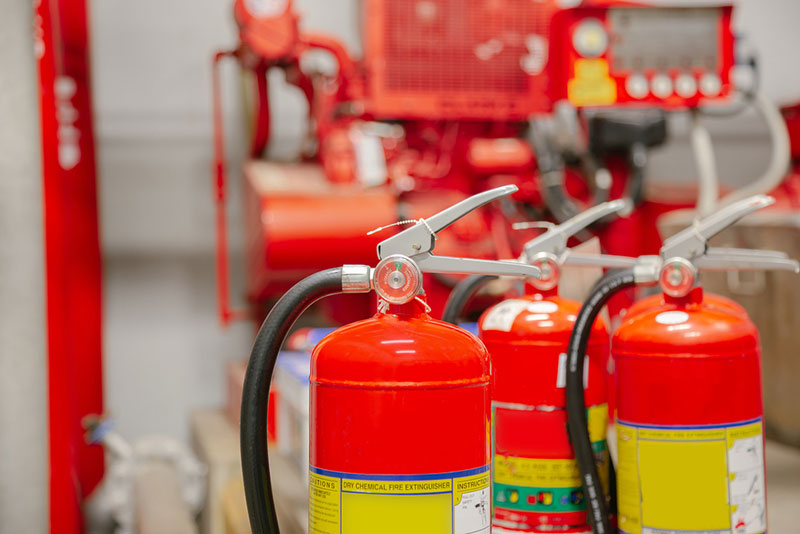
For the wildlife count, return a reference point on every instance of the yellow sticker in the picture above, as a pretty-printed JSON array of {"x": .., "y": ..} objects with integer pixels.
[
  {"x": 323, "y": 504},
  {"x": 347, "y": 503},
  {"x": 691, "y": 479},
  {"x": 591, "y": 84},
  {"x": 548, "y": 472}
]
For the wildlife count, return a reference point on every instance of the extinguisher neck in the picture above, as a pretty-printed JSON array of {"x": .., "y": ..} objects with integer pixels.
[
  {"x": 694, "y": 297},
  {"x": 415, "y": 308},
  {"x": 532, "y": 291}
]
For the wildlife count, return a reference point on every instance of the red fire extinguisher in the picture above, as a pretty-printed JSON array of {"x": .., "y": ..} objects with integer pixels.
[
  {"x": 399, "y": 403},
  {"x": 536, "y": 483},
  {"x": 690, "y": 434}
]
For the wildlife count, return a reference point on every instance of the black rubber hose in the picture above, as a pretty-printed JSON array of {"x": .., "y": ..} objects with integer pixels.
[
  {"x": 255, "y": 393},
  {"x": 611, "y": 284},
  {"x": 462, "y": 294}
]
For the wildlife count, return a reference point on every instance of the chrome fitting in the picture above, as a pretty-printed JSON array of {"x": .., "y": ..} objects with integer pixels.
[
  {"x": 356, "y": 278},
  {"x": 647, "y": 269}
]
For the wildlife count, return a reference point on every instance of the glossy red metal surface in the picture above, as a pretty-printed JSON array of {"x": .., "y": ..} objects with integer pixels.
[
  {"x": 655, "y": 301},
  {"x": 704, "y": 370},
  {"x": 528, "y": 397},
  {"x": 399, "y": 393},
  {"x": 659, "y": 299},
  {"x": 297, "y": 223},
  {"x": 690, "y": 418}
]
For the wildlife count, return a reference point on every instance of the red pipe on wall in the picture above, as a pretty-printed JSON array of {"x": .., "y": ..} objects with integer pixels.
[{"x": 72, "y": 251}]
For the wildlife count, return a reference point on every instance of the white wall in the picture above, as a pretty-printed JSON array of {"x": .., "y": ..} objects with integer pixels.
[
  {"x": 24, "y": 454},
  {"x": 152, "y": 65}
]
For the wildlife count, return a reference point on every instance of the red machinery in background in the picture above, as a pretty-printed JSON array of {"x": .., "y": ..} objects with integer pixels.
[
  {"x": 451, "y": 98},
  {"x": 72, "y": 250}
]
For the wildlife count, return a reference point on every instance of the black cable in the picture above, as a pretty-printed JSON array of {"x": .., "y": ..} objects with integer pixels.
[
  {"x": 611, "y": 284},
  {"x": 461, "y": 295},
  {"x": 255, "y": 393}
]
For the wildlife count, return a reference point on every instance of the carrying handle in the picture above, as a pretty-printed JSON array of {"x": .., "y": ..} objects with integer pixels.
[
  {"x": 692, "y": 242},
  {"x": 687, "y": 252},
  {"x": 554, "y": 240},
  {"x": 418, "y": 242}
]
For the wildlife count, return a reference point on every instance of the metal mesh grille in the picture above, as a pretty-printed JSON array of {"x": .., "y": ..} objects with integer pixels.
[{"x": 462, "y": 45}]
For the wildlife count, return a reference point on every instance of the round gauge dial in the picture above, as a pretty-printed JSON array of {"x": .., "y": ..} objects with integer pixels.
[
  {"x": 397, "y": 279},
  {"x": 677, "y": 277},
  {"x": 590, "y": 38}
]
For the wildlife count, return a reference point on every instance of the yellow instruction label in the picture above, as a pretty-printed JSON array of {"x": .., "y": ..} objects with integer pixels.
[
  {"x": 439, "y": 503},
  {"x": 526, "y": 484},
  {"x": 694, "y": 480},
  {"x": 591, "y": 84}
]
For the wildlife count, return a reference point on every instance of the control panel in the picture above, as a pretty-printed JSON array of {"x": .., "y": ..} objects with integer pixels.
[{"x": 634, "y": 55}]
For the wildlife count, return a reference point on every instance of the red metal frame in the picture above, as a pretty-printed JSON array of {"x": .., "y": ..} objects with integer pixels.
[
  {"x": 447, "y": 142},
  {"x": 227, "y": 312},
  {"x": 73, "y": 264}
]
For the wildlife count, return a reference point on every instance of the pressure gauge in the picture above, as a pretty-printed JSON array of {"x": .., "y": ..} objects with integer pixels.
[
  {"x": 677, "y": 277},
  {"x": 636, "y": 85},
  {"x": 548, "y": 264},
  {"x": 590, "y": 38},
  {"x": 686, "y": 86},
  {"x": 397, "y": 279},
  {"x": 661, "y": 85},
  {"x": 710, "y": 84}
]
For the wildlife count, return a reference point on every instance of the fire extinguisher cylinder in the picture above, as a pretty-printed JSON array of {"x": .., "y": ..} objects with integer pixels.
[
  {"x": 673, "y": 335},
  {"x": 527, "y": 338},
  {"x": 382, "y": 393}
]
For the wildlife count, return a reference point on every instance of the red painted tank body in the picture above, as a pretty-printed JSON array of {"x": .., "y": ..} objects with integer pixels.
[
  {"x": 526, "y": 339},
  {"x": 651, "y": 302},
  {"x": 709, "y": 299},
  {"x": 399, "y": 417},
  {"x": 690, "y": 430}
]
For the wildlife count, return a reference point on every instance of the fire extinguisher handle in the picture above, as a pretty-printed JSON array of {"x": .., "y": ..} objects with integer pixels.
[
  {"x": 731, "y": 259},
  {"x": 554, "y": 240},
  {"x": 692, "y": 242},
  {"x": 421, "y": 237},
  {"x": 444, "y": 264},
  {"x": 609, "y": 261}
]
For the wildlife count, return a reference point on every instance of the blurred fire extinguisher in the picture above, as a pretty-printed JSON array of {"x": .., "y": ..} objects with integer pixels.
[{"x": 527, "y": 339}]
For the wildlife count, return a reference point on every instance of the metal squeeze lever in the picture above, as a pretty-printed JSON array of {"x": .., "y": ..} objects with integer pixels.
[
  {"x": 549, "y": 251},
  {"x": 685, "y": 253},
  {"x": 419, "y": 241},
  {"x": 397, "y": 278},
  {"x": 554, "y": 240}
]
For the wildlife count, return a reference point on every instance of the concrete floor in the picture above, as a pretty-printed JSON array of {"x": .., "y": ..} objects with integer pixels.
[{"x": 783, "y": 488}]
